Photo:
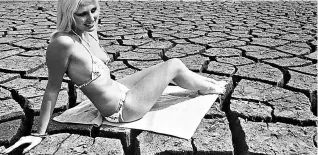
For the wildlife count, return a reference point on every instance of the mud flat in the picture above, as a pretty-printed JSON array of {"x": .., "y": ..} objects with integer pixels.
[{"x": 266, "y": 50}]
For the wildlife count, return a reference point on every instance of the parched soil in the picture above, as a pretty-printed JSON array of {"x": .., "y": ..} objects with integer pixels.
[{"x": 265, "y": 50}]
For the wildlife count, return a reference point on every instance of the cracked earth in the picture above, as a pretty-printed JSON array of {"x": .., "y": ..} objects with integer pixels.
[{"x": 266, "y": 50}]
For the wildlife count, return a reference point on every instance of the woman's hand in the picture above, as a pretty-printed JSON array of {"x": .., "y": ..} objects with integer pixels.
[{"x": 32, "y": 140}]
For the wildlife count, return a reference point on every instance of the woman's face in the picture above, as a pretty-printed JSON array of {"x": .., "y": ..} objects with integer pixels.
[{"x": 86, "y": 16}]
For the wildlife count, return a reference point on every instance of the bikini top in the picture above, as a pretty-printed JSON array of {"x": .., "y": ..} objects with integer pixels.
[{"x": 98, "y": 66}]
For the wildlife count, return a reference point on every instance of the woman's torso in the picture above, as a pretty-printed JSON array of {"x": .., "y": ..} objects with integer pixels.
[{"x": 103, "y": 92}]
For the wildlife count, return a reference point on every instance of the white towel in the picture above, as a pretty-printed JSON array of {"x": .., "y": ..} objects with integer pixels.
[{"x": 178, "y": 112}]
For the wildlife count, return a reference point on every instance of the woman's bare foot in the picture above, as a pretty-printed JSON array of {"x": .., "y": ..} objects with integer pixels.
[{"x": 217, "y": 88}]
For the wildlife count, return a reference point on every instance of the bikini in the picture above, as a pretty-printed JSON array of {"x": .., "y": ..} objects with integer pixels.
[{"x": 98, "y": 67}]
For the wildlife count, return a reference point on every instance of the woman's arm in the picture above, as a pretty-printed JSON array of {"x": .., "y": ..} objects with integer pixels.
[{"x": 57, "y": 58}]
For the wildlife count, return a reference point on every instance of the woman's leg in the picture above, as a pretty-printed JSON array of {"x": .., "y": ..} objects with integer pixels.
[
  {"x": 131, "y": 80},
  {"x": 144, "y": 94}
]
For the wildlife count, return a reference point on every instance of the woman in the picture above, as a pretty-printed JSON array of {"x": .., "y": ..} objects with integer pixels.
[{"x": 74, "y": 49}]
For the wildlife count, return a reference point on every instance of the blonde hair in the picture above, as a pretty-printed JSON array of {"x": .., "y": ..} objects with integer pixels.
[
  {"x": 65, "y": 11},
  {"x": 65, "y": 15}
]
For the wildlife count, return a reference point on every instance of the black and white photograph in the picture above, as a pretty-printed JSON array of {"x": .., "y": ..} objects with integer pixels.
[{"x": 158, "y": 77}]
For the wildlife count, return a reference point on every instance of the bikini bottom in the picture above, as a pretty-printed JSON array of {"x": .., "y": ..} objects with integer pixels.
[{"x": 117, "y": 117}]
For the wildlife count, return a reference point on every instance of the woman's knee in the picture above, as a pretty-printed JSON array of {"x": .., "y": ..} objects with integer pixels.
[{"x": 175, "y": 65}]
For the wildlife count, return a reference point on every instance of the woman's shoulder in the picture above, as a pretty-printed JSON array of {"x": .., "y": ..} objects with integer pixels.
[
  {"x": 61, "y": 43},
  {"x": 62, "y": 39}
]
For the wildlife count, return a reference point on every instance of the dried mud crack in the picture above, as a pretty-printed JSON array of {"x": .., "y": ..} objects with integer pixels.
[{"x": 266, "y": 50}]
